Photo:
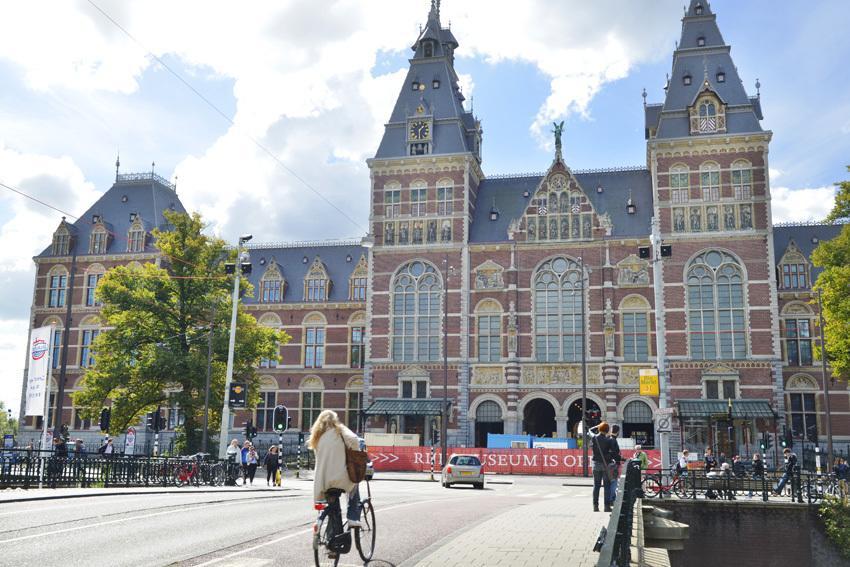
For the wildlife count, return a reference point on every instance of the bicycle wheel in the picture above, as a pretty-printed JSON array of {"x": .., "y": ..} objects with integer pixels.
[
  {"x": 680, "y": 489},
  {"x": 652, "y": 486},
  {"x": 217, "y": 475},
  {"x": 364, "y": 536},
  {"x": 177, "y": 476},
  {"x": 321, "y": 555}
]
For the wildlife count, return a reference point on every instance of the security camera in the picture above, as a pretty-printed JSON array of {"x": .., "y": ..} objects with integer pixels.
[{"x": 245, "y": 238}]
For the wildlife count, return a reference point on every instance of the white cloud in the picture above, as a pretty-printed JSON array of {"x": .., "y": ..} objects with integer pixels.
[
  {"x": 13, "y": 342},
  {"x": 796, "y": 205}
]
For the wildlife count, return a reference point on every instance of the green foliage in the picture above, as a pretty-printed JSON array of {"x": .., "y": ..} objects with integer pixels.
[
  {"x": 7, "y": 425},
  {"x": 834, "y": 284},
  {"x": 841, "y": 209},
  {"x": 835, "y": 513},
  {"x": 158, "y": 320}
]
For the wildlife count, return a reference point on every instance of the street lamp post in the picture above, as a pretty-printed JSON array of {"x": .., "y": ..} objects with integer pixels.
[
  {"x": 444, "y": 418},
  {"x": 826, "y": 380},
  {"x": 225, "y": 410},
  {"x": 660, "y": 338},
  {"x": 584, "y": 451},
  {"x": 205, "y": 436}
]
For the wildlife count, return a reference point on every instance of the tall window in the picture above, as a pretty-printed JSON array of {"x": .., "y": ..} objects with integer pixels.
[
  {"x": 720, "y": 388},
  {"x": 414, "y": 388},
  {"x": 798, "y": 342},
  {"x": 489, "y": 337},
  {"x": 418, "y": 198},
  {"x": 271, "y": 291},
  {"x": 635, "y": 337},
  {"x": 794, "y": 276},
  {"x": 445, "y": 206},
  {"x": 265, "y": 411},
  {"x": 136, "y": 237},
  {"x": 392, "y": 203},
  {"x": 417, "y": 306},
  {"x": 91, "y": 284},
  {"x": 61, "y": 242},
  {"x": 56, "y": 355},
  {"x": 742, "y": 180},
  {"x": 56, "y": 293},
  {"x": 86, "y": 356},
  {"x": 311, "y": 407},
  {"x": 680, "y": 184},
  {"x": 716, "y": 307},
  {"x": 97, "y": 244},
  {"x": 316, "y": 289},
  {"x": 358, "y": 289},
  {"x": 314, "y": 347},
  {"x": 707, "y": 117},
  {"x": 353, "y": 403},
  {"x": 358, "y": 350},
  {"x": 558, "y": 320},
  {"x": 804, "y": 416},
  {"x": 710, "y": 181}
]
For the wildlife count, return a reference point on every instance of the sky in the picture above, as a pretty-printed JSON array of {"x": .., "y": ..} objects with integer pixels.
[{"x": 206, "y": 90}]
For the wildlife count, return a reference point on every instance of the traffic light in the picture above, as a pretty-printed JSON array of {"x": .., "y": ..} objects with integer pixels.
[
  {"x": 149, "y": 420},
  {"x": 250, "y": 431},
  {"x": 105, "y": 414},
  {"x": 281, "y": 418},
  {"x": 644, "y": 252}
]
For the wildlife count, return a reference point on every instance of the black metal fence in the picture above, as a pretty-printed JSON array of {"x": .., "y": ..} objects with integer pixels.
[{"x": 615, "y": 542}]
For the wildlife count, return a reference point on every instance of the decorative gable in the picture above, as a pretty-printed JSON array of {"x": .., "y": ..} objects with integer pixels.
[
  {"x": 358, "y": 281},
  {"x": 707, "y": 112},
  {"x": 272, "y": 284},
  {"x": 62, "y": 239},
  {"x": 136, "y": 235},
  {"x": 99, "y": 238},
  {"x": 489, "y": 275},
  {"x": 560, "y": 209},
  {"x": 317, "y": 284},
  {"x": 793, "y": 255}
]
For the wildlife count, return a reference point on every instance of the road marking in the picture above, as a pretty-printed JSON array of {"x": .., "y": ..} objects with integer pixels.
[
  {"x": 142, "y": 517},
  {"x": 307, "y": 531}
]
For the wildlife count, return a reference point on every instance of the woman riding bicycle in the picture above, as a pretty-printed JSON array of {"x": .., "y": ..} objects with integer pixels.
[{"x": 328, "y": 439}]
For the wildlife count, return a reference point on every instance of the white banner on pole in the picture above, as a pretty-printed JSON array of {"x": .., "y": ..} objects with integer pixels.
[{"x": 39, "y": 368}]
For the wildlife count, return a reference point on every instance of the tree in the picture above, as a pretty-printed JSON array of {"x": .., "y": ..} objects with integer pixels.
[
  {"x": 7, "y": 425},
  {"x": 157, "y": 320},
  {"x": 834, "y": 285}
]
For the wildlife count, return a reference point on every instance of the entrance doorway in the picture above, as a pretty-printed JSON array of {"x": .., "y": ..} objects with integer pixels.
[
  {"x": 637, "y": 423},
  {"x": 593, "y": 417},
  {"x": 488, "y": 419},
  {"x": 539, "y": 418}
]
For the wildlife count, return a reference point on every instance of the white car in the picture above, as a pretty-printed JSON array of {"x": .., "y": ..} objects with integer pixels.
[{"x": 463, "y": 469}]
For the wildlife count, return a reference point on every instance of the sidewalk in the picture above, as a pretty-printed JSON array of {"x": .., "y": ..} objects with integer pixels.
[
  {"x": 558, "y": 531},
  {"x": 12, "y": 495}
]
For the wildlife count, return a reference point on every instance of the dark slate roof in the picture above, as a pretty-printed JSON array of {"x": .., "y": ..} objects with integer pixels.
[
  {"x": 145, "y": 194},
  {"x": 703, "y": 63},
  {"x": 651, "y": 113},
  {"x": 454, "y": 127},
  {"x": 506, "y": 194},
  {"x": 290, "y": 261},
  {"x": 806, "y": 236}
]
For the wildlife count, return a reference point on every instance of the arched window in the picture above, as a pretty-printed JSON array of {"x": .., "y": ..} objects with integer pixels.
[
  {"x": 358, "y": 281},
  {"x": 98, "y": 240},
  {"x": 489, "y": 315},
  {"x": 634, "y": 315},
  {"x": 272, "y": 284},
  {"x": 707, "y": 116},
  {"x": 680, "y": 184},
  {"x": 802, "y": 406},
  {"x": 717, "y": 328},
  {"x": 316, "y": 282},
  {"x": 796, "y": 333},
  {"x": 793, "y": 268},
  {"x": 709, "y": 174},
  {"x": 136, "y": 236},
  {"x": 637, "y": 411},
  {"x": 417, "y": 306},
  {"x": 61, "y": 240},
  {"x": 742, "y": 180},
  {"x": 558, "y": 320},
  {"x": 311, "y": 400},
  {"x": 488, "y": 412}
]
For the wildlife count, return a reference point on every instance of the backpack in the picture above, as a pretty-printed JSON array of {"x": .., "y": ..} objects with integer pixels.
[{"x": 102, "y": 449}]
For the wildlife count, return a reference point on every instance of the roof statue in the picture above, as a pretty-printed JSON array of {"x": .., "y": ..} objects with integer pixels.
[{"x": 558, "y": 131}]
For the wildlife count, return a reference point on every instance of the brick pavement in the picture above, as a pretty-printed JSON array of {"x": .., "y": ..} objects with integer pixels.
[{"x": 551, "y": 532}]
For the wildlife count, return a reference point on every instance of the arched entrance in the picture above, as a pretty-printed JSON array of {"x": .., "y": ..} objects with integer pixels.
[
  {"x": 488, "y": 419},
  {"x": 637, "y": 423},
  {"x": 594, "y": 415},
  {"x": 538, "y": 418}
]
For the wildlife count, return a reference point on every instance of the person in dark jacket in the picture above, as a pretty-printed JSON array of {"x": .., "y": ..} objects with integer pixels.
[
  {"x": 738, "y": 468},
  {"x": 710, "y": 466},
  {"x": 790, "y": 469},
  {"x": 614, "y": 460},
  {"x": 599, "y": 441},
  {"x": 272, "y": 465},
  {"x": 758, "y": 469}
]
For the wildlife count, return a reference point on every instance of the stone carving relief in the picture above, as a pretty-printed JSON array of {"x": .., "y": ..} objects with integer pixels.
[
  {"x": 559, "y": 375},
  {"x": 512, "y": 330},
  {"x": 630, "y": 375},
  {"x": 633, "y": 271},
  {"x": 488, "y": 376},
  {"x": 608, "y": 324},
  {"x": 489, "y": 275}
]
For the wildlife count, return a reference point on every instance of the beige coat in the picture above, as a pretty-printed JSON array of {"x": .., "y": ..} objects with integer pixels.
[{"x": 330, "y": 461}]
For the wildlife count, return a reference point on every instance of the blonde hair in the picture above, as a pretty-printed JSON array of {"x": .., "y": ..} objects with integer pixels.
[{"x": 327, "y": 419}]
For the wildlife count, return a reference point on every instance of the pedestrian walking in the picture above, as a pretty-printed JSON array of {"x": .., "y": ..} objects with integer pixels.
[
  {"x": 641, "y": 456},
  {"x": 682, "y": 463},
  {"x": 758, "y": 469},
  {"x": 251, "y": 462},
  {"x": 614, "y": 460},
  {"x": 598, "y": 438},
  {"x": 710, "y": 467},
  {"x": 727, "y": 474},
  {"x": 842, "y": 474},
  {"x": 788, "y": 474},
  {"x": 243, "y": 454},
  {"x": 272, "y": 466}
]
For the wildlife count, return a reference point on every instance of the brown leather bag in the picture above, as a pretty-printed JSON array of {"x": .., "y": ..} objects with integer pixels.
[{"x": 355, "y": 463}]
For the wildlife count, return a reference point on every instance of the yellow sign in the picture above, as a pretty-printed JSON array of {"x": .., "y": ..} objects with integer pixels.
[{"x": 649, "y": 382}]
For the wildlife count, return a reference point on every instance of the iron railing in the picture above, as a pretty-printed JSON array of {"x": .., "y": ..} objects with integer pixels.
[{"x": 615, "y": 550}]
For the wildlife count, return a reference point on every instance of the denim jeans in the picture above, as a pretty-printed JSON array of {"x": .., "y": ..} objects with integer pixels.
[
  {"x": 601, "y": 479},
  {"x": 353, "y": 512},
  {"x": 784, "y": 480},
  {"x": 613, "y": 494}
]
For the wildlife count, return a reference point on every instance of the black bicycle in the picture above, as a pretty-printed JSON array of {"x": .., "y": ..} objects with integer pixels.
[{"x": 331, "y": 536}]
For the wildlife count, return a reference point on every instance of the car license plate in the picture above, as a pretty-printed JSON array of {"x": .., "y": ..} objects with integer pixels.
[{"x": 466, "y": 473}]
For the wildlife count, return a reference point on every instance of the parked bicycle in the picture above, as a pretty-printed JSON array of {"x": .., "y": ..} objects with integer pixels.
[
  {"x": 331, "y": 536},
  {"x": 654, "y": 486}
]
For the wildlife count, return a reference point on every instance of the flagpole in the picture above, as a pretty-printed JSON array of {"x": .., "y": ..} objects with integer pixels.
[{"x": 46, "y": 413}]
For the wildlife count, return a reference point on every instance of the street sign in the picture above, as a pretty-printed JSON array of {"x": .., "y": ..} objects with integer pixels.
[
  {"x": 236, "y": 399},
  {"x": 649, "y": 382},
  {"x": 8, "y": 441}
]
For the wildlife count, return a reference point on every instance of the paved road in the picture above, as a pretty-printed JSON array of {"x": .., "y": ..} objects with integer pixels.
[{"x": 253, "y": 528}]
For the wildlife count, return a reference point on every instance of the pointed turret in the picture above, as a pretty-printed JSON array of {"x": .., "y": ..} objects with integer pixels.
[
  {"x": 705, "y": 94},
  {"x": 429, "y": 117}
]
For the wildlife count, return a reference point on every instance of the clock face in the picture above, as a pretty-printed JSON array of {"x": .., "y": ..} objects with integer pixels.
[{"x": 419, "y": 130}]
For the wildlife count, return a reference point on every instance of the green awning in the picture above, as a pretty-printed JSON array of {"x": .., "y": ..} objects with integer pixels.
[
  {"x": 741, "y": 409},
  {"x": 405, "y": 406}
]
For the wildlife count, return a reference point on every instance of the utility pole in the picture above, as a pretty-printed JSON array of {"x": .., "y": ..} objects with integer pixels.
[
  {"x": 826, "y": 380},
  {"x": 445, "y": 413},
  {"x": 584, "y": 465},
  {"x": 225, "y": 410},
  {"x": 66, "y": 334},
  {"x": 660, "y": 334},
  {"x": 205, "y": 435}
]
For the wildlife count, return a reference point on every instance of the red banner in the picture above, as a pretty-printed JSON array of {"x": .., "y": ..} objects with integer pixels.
[{"x": 498, "y": 461}]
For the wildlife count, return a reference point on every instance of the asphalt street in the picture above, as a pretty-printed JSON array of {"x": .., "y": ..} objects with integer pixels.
[{"x": 257, "y": 528}]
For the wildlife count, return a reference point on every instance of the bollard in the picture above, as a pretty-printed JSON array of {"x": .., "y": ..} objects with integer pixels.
[
  {"x": 298, "y": 469},
  {"x": 280, "y": 457},
  {"x": 432, "y": 461}
]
